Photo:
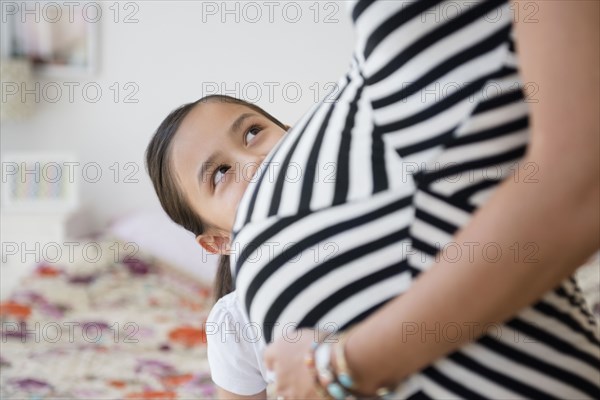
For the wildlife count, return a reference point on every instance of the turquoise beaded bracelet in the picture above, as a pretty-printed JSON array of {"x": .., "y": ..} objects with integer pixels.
[{"x": 340, "y": 386}]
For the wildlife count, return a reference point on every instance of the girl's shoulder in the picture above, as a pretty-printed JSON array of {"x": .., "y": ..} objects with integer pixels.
[
  {"x": 227, "y": 309},
  {"x": 234, "y": 357}
]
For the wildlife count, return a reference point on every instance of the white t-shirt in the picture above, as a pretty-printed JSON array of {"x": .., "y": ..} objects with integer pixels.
[{"x": 235, "y": 348}]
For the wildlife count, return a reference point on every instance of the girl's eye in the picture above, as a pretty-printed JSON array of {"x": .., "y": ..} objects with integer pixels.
[
  {"x": 252, "y": 132},
  {"x": 219, "y": 174}
]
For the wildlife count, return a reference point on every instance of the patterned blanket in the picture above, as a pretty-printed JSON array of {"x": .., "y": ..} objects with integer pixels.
[{"x": 125, "y": 327}]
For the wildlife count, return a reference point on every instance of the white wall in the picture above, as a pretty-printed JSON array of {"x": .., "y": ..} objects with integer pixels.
[{"x": 169, "y": 54}]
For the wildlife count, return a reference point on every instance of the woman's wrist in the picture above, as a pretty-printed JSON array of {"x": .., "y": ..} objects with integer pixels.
[
  {"x": 335, "y": 378},
  {"x": 364, "y": 380}
]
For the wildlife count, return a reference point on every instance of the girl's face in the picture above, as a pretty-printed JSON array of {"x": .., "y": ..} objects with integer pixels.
[{"x": 215, "y": 153}]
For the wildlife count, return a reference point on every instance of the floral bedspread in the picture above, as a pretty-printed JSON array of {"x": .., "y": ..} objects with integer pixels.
[{"x": 127, "y": 327}]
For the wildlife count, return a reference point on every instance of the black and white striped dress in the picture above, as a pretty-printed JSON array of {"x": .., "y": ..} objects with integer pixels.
[{"x": 358, "y": 197}]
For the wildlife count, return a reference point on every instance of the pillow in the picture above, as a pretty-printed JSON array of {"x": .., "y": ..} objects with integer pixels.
[{"x": 156, "y": 234}]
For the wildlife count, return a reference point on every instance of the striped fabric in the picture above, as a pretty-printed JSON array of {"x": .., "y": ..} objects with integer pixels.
[{"x": 359, "y": 196}]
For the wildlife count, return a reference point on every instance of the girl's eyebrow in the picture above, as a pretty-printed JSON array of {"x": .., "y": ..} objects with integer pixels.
[
  {"x": 233, "y": 129},
  {"x": 237, "y": 124}
]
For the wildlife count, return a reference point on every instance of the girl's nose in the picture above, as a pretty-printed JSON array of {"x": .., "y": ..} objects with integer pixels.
[{"x": 247, "y": 166}]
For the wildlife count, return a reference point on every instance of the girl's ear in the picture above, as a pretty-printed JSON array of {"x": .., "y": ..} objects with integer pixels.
[
  {"x": 214, "y": 244},
  {"x": 203, "y": 240}
]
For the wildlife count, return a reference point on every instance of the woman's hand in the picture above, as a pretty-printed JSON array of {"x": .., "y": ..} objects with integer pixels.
[{"x": 294, "y": 379}]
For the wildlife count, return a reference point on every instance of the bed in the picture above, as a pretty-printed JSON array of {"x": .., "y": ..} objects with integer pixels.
[{"x": 122, "y": 327}]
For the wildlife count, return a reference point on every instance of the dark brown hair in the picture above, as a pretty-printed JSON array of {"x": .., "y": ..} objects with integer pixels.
[{"x": 172, "y": 200}]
